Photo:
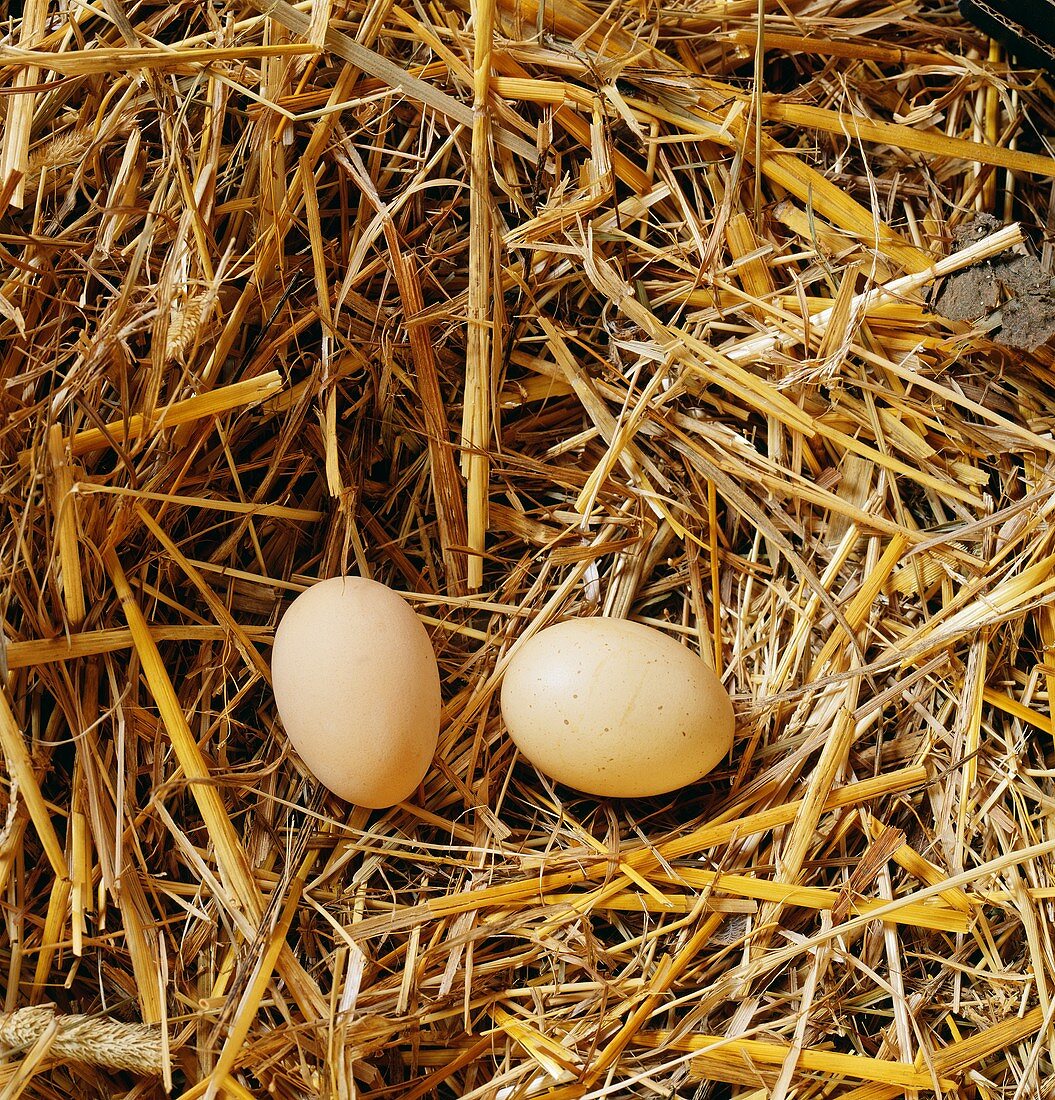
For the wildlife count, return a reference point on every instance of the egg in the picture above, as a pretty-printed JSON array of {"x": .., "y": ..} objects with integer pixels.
[
  {"x": 358, "y": 690},
  {"x": 615, "y": 708}
]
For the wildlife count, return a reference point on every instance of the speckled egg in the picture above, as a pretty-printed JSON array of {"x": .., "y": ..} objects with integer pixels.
[{"x": 613, "y": 707}]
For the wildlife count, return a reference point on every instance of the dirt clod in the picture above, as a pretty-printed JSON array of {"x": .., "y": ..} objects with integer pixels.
[{"x": 1011, "y": 294}]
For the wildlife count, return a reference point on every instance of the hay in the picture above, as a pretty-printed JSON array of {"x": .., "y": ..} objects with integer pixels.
[{"x": 528, "y": 311}]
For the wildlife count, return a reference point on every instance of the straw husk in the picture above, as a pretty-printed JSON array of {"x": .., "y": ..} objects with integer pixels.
[{"x": 529, "y": 311}]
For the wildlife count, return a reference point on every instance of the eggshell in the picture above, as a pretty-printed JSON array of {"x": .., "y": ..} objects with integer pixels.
[
  {"x": 616, "y": 708},
  {"x": 358, "y": 689}
]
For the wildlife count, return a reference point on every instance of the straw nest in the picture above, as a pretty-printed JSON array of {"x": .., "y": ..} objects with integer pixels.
[{"x": 528, "y": 312}]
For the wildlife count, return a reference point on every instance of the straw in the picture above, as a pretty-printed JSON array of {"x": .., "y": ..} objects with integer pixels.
[{"x": 530, "y": 311}]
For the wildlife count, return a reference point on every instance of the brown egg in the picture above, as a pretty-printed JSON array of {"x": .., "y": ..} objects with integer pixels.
[
  {"x": 358, "y": 689},
  {"x": 616, "y": 708}
]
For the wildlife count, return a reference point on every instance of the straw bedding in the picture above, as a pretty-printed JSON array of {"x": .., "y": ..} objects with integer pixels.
[{"x": 528, "y": 311}]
